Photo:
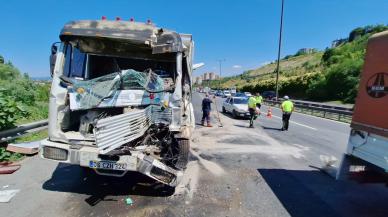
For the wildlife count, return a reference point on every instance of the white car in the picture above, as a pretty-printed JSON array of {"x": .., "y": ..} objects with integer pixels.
[
  {"x": 227, "y": 93},
  {"x": 237, "y": 106},
  {"x": 247, "y": 94}
]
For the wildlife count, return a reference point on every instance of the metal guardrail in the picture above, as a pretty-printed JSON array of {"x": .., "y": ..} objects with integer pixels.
[
  {"x": 22, "y": 130},
  {"x": 339, "y": 113}
]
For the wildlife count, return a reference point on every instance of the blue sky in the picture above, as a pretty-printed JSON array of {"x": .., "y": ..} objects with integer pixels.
[{"x": 244, "y": 33}]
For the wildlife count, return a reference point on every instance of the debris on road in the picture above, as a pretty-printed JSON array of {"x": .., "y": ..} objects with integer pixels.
[
  {"x": 25, "y": 147},
  {"x": 128, "y": 201},
  {"x": 6, "y": 195},
  {"x": 8, "y": 168}
]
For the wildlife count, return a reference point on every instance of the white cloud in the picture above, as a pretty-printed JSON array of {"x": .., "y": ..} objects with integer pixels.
[{"x": 236, "y": 67}]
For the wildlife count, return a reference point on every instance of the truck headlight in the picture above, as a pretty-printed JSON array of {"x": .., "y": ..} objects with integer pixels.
[{"x": 54, "y": 153}]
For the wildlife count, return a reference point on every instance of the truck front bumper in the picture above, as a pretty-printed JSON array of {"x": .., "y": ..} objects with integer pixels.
[{"x": 85, "y": 155}]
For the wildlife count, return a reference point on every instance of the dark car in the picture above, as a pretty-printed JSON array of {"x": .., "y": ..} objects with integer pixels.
[{"x": 268, "y": 94}]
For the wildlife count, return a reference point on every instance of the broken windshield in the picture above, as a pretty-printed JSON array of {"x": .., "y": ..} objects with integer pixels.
[{"x": 90, "y": 93}]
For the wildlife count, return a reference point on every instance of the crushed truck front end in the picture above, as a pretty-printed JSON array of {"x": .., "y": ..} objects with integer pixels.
[{"x": 121, "y": 99}]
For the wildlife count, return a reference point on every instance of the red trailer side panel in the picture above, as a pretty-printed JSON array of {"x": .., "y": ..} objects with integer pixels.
[{"x": 371, "y": 108}]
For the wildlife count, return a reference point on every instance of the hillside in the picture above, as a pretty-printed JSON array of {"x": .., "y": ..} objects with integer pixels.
[{"x": 332, "y": 74}]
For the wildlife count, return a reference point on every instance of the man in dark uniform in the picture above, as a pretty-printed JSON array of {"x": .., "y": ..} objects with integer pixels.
[{"x": 206, "y": 108}]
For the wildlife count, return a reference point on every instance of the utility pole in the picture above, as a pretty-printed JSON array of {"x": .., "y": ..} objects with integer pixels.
[
  {"x": 280, "y": 45},
  {"x": 219, "y": 81}
]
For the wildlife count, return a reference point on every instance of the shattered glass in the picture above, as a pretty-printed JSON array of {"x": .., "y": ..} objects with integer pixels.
[{"x": 90, "y": 93}]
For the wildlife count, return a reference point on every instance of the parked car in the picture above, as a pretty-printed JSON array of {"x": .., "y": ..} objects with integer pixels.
[
  {"x": 239, "y": 94},
  {"x": 247, "y": 94},
  {"x": 219, "y": 93},
  {"x": 226, "y": 93},
  {"x": 243, "y": 94},
  {"x": 237, "y": 106},
  {"x": 268, "y": 94}
]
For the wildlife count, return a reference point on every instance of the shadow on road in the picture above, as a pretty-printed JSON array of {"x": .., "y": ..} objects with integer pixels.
[
  {"x": 272, "y": 128},
  {"x": 74, "y": 179},
  {"x": 243, "y": 126},
  {"x": 312, "y": 193}
]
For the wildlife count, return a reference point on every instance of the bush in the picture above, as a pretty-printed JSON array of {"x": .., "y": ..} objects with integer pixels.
[
  {"x": 10, "y": 111},
  {"x": 42, "y": 92},
  {"x": 21, "y": 90},
  {"x": 317, "y": 89}
]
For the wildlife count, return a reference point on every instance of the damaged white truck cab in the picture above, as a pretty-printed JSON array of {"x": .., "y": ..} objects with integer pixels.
[{"x": 121, "y": 99}]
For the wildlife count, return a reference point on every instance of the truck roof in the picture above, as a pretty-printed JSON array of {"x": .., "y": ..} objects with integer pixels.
[{"x": 136, "y": 33}]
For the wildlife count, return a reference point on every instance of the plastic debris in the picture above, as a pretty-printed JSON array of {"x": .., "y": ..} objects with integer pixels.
[
  {"x": 128, "y": 201},
  {"x": 6, "y": 195},
  {"x": 8, "y": 168}
]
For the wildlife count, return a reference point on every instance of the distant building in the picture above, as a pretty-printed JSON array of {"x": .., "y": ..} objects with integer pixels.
[
  {"x": 198, "y": 80},
  {"x": 217, "y": 77},
  {"x": 212, "y": 76},
  {"x": 206, "y": 76},
  {"x": 306, "y": 51}
]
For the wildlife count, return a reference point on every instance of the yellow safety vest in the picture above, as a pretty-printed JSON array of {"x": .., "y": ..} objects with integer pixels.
[
  {"x": 287, "y": 106},
  {"x": 259, "y": 99},
  {"x": 252, "y": 102}
]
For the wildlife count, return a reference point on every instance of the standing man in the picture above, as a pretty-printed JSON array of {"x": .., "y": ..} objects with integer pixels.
[
  {"x": 206, "y": 108},
  {"x": 252, "y": 108},
  {"x": 259, "y": 100},
  {"x": 287, "y": 109}
]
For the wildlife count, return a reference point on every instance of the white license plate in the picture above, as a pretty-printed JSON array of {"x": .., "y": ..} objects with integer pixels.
[{"x": 107, "y": 165}]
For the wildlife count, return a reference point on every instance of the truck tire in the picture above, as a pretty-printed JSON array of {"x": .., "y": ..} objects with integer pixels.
[
  {"x": 182, "y": 152},
  {"x": 223, "y": 109}
]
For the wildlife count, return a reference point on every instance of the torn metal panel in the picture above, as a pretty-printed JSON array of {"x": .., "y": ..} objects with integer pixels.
[{"x": 115, "y": 131}]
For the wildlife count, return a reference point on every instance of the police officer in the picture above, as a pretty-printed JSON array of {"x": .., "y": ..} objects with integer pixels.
[
  {"x": 253, "y": 102},
  {"x": 259, "y": 100},
  {"x": 287, "y": 109}
]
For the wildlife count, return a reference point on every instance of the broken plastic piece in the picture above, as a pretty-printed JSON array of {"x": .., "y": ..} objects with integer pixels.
[
  {"x": 6, "y": 195},
  {"x": 128, "y": 201},
  {"x": 8, "y": 168}
]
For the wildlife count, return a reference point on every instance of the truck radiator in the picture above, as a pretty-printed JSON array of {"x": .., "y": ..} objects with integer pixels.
[{"x": 113, "y": 132}]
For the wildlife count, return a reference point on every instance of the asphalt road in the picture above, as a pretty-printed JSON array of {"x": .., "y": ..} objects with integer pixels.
[{"x": 233, "y": 171}]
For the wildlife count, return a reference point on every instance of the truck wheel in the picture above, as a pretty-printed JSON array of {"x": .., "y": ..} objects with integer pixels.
[
  {"x": 223, "y": 109},
  {"x": 182, "y": 153}
]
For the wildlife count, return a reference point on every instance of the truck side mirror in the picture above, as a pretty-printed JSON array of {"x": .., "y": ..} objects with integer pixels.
[{"x": 53, "y": 57}]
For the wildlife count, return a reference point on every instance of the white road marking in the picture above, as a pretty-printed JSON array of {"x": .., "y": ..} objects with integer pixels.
[{"x": 297, "y": 123}]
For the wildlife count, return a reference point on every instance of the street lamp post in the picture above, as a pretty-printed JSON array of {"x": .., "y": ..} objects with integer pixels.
[
  {"x": 219, "y": 81},
  {"x": 280, "y": 45}
]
